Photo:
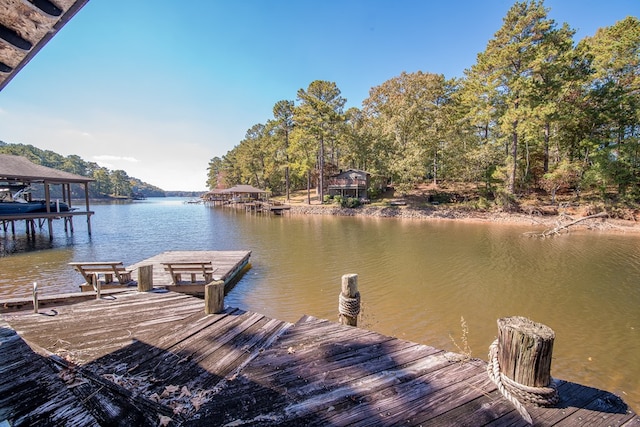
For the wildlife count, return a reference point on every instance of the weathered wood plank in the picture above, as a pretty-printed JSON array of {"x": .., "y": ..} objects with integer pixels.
[
  {"x": 31, "y": 393},
  {"x": 246, "y": 368}
]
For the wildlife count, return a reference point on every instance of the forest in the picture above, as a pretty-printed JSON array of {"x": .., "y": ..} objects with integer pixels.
[
  {"x": 108, "y": 183},
  {"x": 538, "y": 113}
]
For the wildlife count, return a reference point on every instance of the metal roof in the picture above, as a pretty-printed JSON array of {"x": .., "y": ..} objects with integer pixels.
[
  {"x": 17, "y": 168},
  {"x": 26, "y": 26},
  {"x": 242, "y": 188}
]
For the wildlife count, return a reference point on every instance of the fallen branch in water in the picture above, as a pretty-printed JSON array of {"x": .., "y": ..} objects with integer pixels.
[{"x": 565, "y": 227}]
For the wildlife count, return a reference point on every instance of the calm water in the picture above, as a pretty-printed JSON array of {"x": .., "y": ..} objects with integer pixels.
[{"x": 417, "y": 278}]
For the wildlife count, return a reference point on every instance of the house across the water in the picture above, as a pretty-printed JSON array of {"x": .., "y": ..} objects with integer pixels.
[{"x": 354, "y": 183}]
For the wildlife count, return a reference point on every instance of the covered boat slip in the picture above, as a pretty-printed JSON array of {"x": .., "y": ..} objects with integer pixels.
[
  {"x": 17, "y": 171},
  {"x": 157, "y": 359}
]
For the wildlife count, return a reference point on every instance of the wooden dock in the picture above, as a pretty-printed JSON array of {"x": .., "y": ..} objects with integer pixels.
[
  {"x": 157, "y": 359},
  {"x": 266, "y": 207},
  {"x": 228, "y": 266}
]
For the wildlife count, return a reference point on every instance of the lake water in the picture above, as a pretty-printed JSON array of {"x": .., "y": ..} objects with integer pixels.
[{"x": 417, "y": 278}]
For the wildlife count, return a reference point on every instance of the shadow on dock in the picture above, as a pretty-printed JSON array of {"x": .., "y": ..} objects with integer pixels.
[{"x": 157, "y": 359}]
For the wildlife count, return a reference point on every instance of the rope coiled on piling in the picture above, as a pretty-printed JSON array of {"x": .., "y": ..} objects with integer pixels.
[
  {"x": 349, "y": 306},
  {"x": 517, "y": 393}
]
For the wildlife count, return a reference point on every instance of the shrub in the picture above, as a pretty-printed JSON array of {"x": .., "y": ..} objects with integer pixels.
[{"x": 350, "y": 202}]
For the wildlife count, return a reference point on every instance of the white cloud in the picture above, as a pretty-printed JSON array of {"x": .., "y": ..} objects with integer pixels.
[
  {"x": 108, "y": 157},
  {"x": 170, "y": 154}
]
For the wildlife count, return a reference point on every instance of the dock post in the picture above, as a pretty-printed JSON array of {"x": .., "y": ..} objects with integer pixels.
[
  {"x": 214, "y": 297},
  {"x": 35, "y": 297},
  {"x": 349, "y": 300},
  {"x": 96, "y": 284},
  {"x": 520, "y": 363},
  {"x": 145, "y": 278}
]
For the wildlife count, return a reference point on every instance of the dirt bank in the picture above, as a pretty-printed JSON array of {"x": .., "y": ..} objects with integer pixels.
[{"x": 444, "y": 213}]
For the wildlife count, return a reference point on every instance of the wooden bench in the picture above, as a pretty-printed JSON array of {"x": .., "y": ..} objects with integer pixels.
[
  {"x": 193, "y": 268},
  {"x": 92, "y": 269}
]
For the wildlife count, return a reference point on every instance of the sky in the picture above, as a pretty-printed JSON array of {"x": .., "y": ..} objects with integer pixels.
[{"x": 158, "y": 88}]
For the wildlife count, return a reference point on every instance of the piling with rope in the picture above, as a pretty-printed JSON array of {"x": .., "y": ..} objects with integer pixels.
[
  {"x": 520, "y": 364},
  {"x": 349, "y": 300}
]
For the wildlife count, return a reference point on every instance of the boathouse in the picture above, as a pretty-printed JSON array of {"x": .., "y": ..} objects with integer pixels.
[
  {"x": 17, "y": 171},
  {"x": 246, "y": 193}
]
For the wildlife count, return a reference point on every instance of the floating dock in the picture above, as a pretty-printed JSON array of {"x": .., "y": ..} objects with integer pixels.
[
  {"x": 156, "y": 359},
  {"x": 229, "y": 267}
]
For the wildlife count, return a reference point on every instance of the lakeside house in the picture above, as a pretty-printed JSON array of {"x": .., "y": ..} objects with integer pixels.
[{"x": 354, "y": 183}]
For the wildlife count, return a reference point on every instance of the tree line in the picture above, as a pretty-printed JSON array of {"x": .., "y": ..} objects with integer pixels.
[
  {"x": 538, "y": 111},
  {"x": 108, "y": 183}
]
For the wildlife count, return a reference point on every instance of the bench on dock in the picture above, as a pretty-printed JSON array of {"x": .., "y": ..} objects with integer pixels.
[
  {"x": 177, "y": 268},
  {"x": 91, "y": 271}
]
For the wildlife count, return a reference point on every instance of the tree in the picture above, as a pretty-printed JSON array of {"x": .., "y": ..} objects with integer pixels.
[
  {"x": 553, "y": 72},
  {"x": 615, "y": 101},
  {"x": 283, "y": 113},
  {"x": 102, "y": 185},
  {"x": 564, "y": 176},
  {"x": 303, "y": 155},
  {"x": 120, "y": 183},
  {"x": 214, "y": 173},
  {"x": 318, "y": 115},
  {"x": 509, "y": 64},
  {"x": 358, "y": 141},
  {"x": 408, "y": 110}
]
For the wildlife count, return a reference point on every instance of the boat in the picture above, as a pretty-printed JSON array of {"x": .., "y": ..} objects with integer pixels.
[
  {"x": 17, "y": 203},
  {"x": 35, "y": 206}
]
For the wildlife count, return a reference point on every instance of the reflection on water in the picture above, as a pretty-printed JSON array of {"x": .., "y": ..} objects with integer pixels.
[{"x": 417, "y": 278}]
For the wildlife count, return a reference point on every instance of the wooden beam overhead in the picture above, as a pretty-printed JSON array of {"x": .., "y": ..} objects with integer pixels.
[{"x": 26, "y": 26}]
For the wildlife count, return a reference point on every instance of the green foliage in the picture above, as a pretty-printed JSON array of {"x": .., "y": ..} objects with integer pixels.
[
  {"x": 565, "y": 175},
  {"x": 107, "y": 182},
  {"x": 350, "y": 202},
  {"x": 538, "y": 110}
]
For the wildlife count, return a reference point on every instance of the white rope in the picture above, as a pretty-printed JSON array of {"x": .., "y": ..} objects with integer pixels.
[
  {"x": 514, "y": 392},
  {"x": 349, "y": 306}
]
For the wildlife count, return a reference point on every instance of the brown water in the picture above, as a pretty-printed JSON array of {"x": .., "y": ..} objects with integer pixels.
[{"x": 417, "y": 278}]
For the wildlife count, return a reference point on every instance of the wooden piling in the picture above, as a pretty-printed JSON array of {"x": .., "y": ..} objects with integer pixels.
[
  {"x": 214, "y": 297},
  {"x": 524, "y": 351},
  {"x": 145, "y": 278},
  {"x": 35, "y": 297},
  {"x": 96, "y": 284},
  {"x": 349, "y": 300}
]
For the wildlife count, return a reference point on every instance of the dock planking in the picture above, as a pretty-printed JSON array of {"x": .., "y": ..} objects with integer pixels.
[
  {"x": 147, "y": 358},
  {"x": 227, "y": 266}
]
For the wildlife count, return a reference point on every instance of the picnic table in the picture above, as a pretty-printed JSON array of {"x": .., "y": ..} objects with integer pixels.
[
  {"x": 91, "y": 271},
  {"x": 177, "y": 268}
]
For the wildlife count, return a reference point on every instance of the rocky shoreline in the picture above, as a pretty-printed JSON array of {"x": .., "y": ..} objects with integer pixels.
[{"x": 439, "y": 213}]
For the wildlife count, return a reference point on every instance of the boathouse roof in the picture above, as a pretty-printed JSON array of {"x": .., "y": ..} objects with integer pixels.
[
  {"x": 26, "y": 26},
  {"x": 244, "y": 189},
  {"x": 18, "y": 168}
]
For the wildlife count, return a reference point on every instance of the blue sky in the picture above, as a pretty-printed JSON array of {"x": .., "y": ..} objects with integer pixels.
[{"x": 158, "y": 88}]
